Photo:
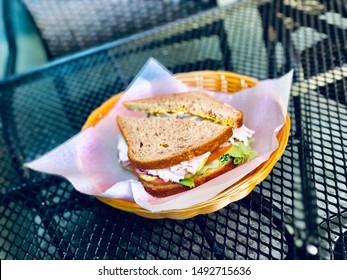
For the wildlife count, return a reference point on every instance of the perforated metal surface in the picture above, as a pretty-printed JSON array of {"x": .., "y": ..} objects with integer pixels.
[{"x": 299, "y": 211}]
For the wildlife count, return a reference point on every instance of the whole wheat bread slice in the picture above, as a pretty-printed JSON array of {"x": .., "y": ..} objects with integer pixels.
[
  {"x": 175, "y": 188},
  {"x": 156, "y": 143},
  {"x": 197, "y": 103}
]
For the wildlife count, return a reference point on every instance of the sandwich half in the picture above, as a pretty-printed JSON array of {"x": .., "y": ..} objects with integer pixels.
[{"x": 177, "y": 147}]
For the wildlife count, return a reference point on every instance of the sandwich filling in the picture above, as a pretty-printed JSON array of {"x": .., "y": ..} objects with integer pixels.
[
  {"x": 236, "y": 150},
  {"x": 197, "y": 103}
]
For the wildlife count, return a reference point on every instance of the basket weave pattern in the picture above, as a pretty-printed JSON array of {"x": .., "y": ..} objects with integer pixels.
[{"x": 219, "y": 81}]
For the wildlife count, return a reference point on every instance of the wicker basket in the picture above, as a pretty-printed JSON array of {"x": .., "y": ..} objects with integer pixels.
[{"x": 215, "y": 81}]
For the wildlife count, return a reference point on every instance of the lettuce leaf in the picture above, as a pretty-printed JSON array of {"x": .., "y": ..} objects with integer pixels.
[
  {"x": 239, "y": 153},
  {"x": 188, "y": 182}
]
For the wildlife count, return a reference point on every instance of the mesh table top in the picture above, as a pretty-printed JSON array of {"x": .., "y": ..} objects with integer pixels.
[{"x": 298, "y": 212}]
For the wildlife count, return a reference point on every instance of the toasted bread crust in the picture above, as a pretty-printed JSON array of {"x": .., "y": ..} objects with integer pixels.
[
  {"x": 220, "y": 135},
  {"x": 163, "y": 190},
  {"x": 175, "y": 188}
]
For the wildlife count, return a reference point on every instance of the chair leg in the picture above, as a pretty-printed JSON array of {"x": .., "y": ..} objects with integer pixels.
[{"x": 10, "y": 37}]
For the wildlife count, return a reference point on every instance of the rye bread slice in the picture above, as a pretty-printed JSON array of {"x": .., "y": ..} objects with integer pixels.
[
  {"x": 197, "y": 103},
  {"x": 156, "y": 143}
]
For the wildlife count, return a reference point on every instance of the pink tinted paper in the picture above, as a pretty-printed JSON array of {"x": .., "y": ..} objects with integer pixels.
[{"x": 89, "y": 160}]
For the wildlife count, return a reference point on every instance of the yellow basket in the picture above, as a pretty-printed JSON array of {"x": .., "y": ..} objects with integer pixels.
[{"x": 220, "y": 81}]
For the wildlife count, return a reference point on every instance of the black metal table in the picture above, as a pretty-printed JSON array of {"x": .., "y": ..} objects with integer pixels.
[{"x": 298, "y": 212}]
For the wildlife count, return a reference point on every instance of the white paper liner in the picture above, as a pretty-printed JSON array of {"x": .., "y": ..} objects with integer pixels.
[{"x": 89, "y": 160}]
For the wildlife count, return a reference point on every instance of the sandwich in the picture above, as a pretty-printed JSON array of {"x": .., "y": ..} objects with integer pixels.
[{"x": 183, "y": 141}]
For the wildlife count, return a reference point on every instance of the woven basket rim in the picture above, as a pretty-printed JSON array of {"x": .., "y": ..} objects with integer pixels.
[{"x": 244, "y": 186}]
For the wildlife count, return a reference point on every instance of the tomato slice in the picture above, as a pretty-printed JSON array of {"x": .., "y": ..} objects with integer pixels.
[
  {"x": 159, "y": 181},
  {"x": 218, "y": 153}
]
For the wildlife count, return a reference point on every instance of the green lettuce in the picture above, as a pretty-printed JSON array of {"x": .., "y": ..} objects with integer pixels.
[
  {"x": 188, "y": 182},
  {"x": 239, "y": 153}
]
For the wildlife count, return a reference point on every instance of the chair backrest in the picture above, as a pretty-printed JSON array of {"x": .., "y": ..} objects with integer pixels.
[{"x": 74, "y": 25}]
